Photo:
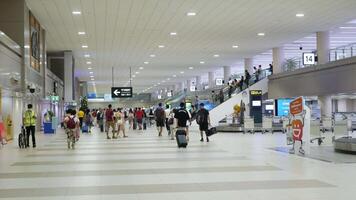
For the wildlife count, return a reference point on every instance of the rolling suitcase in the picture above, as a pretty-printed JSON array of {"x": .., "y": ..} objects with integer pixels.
[
  {"x": 181, "y": 137},
  {"x": 85, "y": 128},
  {"x": 144, "y": 125},
  {"x": 134, "y": 126}
]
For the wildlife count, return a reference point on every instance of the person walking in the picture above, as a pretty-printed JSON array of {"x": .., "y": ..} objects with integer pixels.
[
  {"x": 181, "y": 117},
  {"x": 213, "y": 97},
  {"x": 88, "y": 120},
  {"x": 167, "y": 113},
  {"x": 231, "y": 90},
  {"x": 30, "y": 120},
  {"x": 139, "y": 118},
  {"x": 160, "y": 117},
  {"x": 171, "y": 123},
  {"x": 81, "y": 117},
  {"x": 203, "y": 120},
  {"x": 131, "y": 119},
  {"x": 100, "y": 119},
  {"x": 71, "y": 124},
  {"x": 120, "y": 122},
  {"x": 109, "y": 115}
]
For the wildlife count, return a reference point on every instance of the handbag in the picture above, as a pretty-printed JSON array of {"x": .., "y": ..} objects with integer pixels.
[{"x": 211, "y": 131}]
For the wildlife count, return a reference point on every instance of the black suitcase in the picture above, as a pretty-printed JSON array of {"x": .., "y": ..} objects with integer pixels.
[
  {"x": 144, "y": 125},
  {"x": 181, "y": 137},
  {"x": 211, "y": 131},
  {"x": 22, "y": 138},
  {"x": 134, "y": 126}
]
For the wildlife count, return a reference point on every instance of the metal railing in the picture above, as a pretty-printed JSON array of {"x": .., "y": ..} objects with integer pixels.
[{"x": 342, "y": 52}]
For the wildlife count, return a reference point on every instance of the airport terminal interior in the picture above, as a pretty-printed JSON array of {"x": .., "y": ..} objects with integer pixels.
[{"x": 177, "y": 99}]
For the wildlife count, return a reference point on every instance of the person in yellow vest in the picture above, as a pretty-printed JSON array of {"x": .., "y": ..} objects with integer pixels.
[
  {"x": 29, "y": 119},
  {"x": 81, "y": 117}
]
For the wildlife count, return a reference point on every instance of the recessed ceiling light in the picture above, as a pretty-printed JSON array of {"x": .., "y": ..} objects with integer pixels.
[
  {"x": 216, "y": 55},
  {"x": 163, "y": 81},
  {"x": 348, "y": 27},
  {"x": 87, "y": 55},
  {"x": 89, "y": 68},
  {"x": 173, "y": 33},
  {"x": 202, "y": 62},
  {"x": 299, "y": 15},
  {"x": 191, "y": 67},
  {"x": 76, "y": 12},
  {"x": 88, "y": 62},
  {"x": 160, "y": 46},
  {"x": 91, "y": 76},
  {"x": 191, "y": 14},
  {"x": 137, "y": 72},
  {"x": 91, "y": 72},
  {"x": 134, "y": 76},
  {"x": 141, "y": 68},
  {"x": 146, "y": 62},
  {"x": 235, "y": 46},
  {"x": 84, "y": 46},
  {"x": 174, "y": 75},
  {"x": 92, "y": 79},
  {"x": 168, "y": 79},
  {"x": 182, "y": 72},
  {"x": 81, "y": 33},
  {"x": 152, "y": 55},
  {"x": 159, "y": 83},
  {"x": 261, "y": 34}
]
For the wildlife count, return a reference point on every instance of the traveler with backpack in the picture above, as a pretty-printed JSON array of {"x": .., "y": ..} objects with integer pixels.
[
  {"x": 29, "y": 120},
  {"x": 203, "y": 120},
  {"x": 181, "y": 117},
  {"x": 160, "y": 117},
  {"x": 109, "y": 115},
  {"x": 71, "y": 125}
]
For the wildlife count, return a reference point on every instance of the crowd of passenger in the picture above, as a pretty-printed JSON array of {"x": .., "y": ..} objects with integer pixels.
[{"x": 114, "y": 121}]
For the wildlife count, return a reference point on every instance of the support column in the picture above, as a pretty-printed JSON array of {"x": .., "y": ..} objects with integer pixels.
[
  {"x": 278, "y": 59},
  {"x": 325, "y": 103},
  {"x": 189, "y": 83},
  {"x": 248, "y": 64},
  {"x": 323, "y": 46},
  {"x": 227, "y": 74},
  {"x": 198, "y": 83},
  {"x": 68, "y": 77},
  {"x": 211, "y": 79}
]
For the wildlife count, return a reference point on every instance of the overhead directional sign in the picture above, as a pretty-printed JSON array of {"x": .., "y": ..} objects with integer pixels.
[{"x": 121, "y": 92}]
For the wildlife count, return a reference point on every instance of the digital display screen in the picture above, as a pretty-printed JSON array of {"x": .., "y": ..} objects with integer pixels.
[
  {"x": 270, "y": 107},
  {"x": 256, "y": 103},
  {"x": 282, "y": 107}
]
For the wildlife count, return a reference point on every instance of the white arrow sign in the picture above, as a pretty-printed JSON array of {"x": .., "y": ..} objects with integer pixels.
[{"x": 117, "y": 92}]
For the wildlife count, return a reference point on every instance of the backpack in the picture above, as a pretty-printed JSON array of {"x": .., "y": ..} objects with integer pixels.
[
  {"x": 200, "y": 118},
  {"x": 160, "y": 114},
  {"x": 71, "y": 123}
]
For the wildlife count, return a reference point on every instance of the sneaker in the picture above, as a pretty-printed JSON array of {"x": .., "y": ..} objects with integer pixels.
[
  {"x": 201, "y": 140},
  {"x": 114, "y": 137},
  {"x": 34, "y": 146},
  {"x": 126, "y": 136},
  {"x": 107, "y": 137},
  {"x": 207, "y": 139}
]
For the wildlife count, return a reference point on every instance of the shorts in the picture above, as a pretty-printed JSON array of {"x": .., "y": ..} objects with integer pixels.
[
  {"x": 139, "y": 121},
  {"x": 203, "y": 126},
  {"x": 160, "y": 123}
]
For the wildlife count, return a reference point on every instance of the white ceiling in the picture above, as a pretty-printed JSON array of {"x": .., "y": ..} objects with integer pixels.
[{"x": 124, "y": 33}]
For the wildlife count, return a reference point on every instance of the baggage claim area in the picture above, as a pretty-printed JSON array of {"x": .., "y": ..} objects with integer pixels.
[{"x": 177, "y": 99}]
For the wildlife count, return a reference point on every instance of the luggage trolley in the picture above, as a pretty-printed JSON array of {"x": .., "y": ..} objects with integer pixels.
[
  {"x": 315, "y": 133},
  {"x": 249, "y": 125},
  {"x": 327, "y": 124},
  {"x": 267, "y": 125}
]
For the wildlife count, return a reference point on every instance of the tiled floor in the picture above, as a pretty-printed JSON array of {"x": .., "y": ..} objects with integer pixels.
[{"x": 144, "y": 166}]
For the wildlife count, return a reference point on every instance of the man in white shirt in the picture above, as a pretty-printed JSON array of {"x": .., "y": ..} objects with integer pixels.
[{"x": 168, "y": 112}]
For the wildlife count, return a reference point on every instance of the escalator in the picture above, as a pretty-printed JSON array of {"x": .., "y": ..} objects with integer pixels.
[{"x": 225, "y": 109}]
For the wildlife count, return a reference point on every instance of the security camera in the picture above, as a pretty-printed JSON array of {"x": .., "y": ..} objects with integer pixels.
[
  {"x": 32, "y": 88},
  {"x": 300, "y": 48}
]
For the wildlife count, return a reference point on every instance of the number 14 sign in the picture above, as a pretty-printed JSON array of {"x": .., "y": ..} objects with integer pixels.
[{"x": 308, "y": 59}]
